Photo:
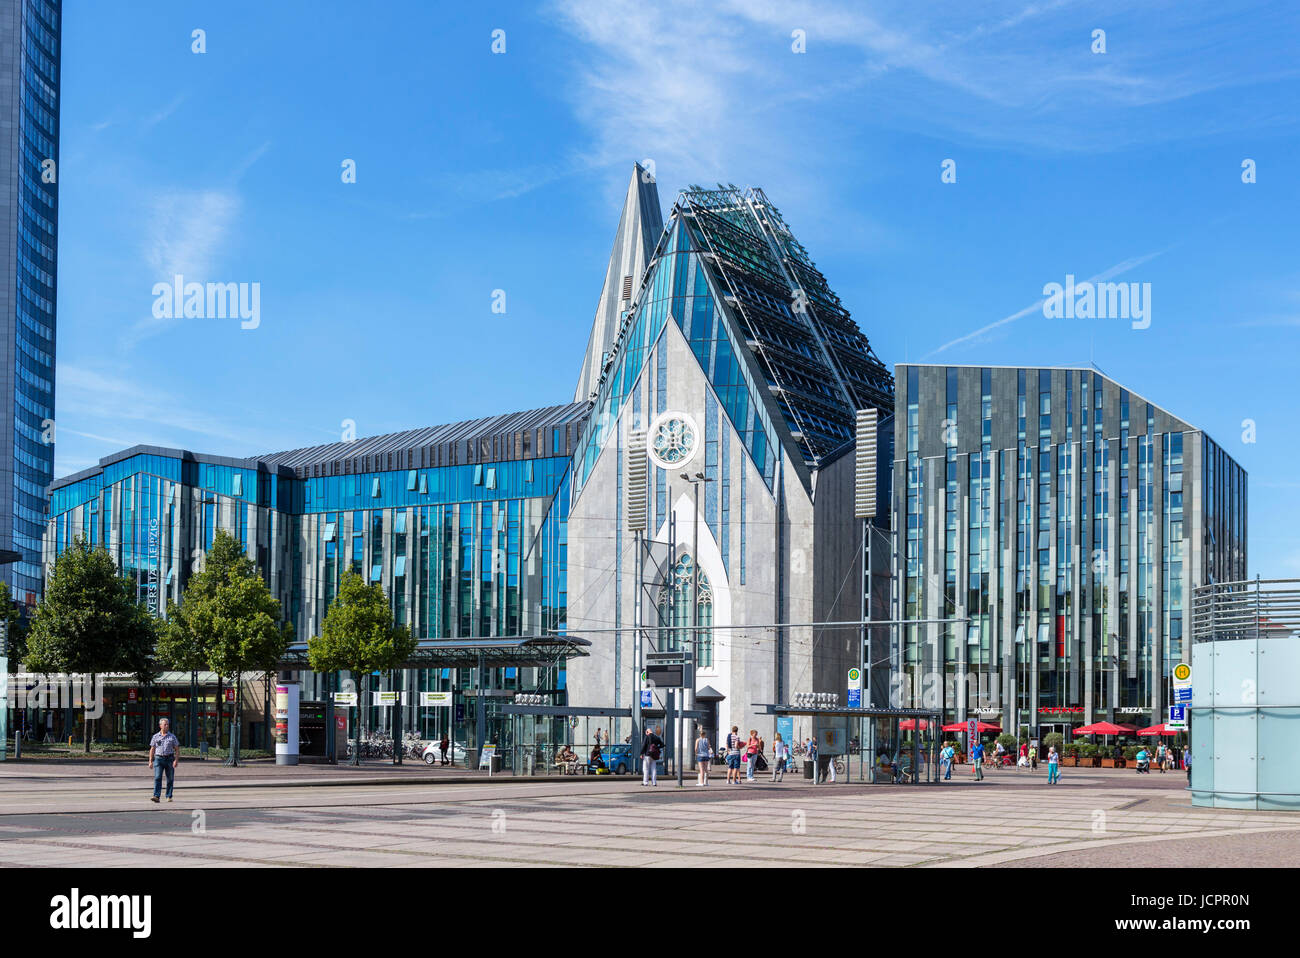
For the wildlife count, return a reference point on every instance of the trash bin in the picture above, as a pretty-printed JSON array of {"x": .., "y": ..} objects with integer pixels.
[
  {"x": 807, "y": 769},
  {"x": 496, "y": 763}
]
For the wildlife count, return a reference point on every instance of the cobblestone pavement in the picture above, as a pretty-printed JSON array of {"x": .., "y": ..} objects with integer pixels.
[{"x": 238, "y": 818}]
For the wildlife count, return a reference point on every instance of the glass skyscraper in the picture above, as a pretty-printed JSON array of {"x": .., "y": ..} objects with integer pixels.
[
  {"x": 1062, "y": 522},
  {"x": 29, "y": 204}
]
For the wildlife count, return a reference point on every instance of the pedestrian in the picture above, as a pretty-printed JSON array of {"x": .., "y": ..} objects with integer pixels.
[
  {"x": 1187, "y": 764},
  {"x": 946, "y": 759},
  {"x": 977, "y": 760},
  {"x": 999, "y": 751},
  {"x": 811, "y": 746},
  {"x": 780, "y": 754},
  {"x": 651, "y": 748},
  {"x": 751, "y": 754},
  {"x": 1024, "y": 755},
  {"x": 1033, "y": 758},
  {"x": 443, "y": 746},
  {"x": 1053, "y": 766},
  {"x": 733, "y": 756},
  {"x": 703, "y": 754},
  {"x": 164, "y": 756},
  {"x": 1160, "y": 757}
]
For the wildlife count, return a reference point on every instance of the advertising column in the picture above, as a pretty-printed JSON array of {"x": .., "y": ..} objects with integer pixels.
[{"x": 286, "y": 723}]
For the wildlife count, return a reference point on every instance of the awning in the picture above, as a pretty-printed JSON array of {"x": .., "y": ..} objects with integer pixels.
[
  {"x": 1104, "y": 728},
  {"x": 908, "y": 725}
]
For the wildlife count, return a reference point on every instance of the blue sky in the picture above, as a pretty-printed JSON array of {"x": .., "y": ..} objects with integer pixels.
[{"x": 479, "y": 171}]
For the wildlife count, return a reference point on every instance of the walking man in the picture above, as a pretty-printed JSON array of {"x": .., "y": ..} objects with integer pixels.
[
  {"x": 164, "y": 756},
  {"x": 1187, "y": 764},
  {"x": 945, "y": 760},
  {"x": 977, "y": 760},
  {"x": 1053, "y": 766},
  {"x": 651, "y": 748}
]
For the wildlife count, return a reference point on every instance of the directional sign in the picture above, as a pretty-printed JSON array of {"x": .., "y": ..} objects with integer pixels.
[
  {"x": 346, "y": 699},
  {"x": 855, "y": 698},
  {"x": 435, "y": 699},
  {"x": 1177, "y": 718},
  {"x": 1183, "y": 694}
]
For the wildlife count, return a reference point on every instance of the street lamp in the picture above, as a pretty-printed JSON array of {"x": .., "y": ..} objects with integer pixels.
[{"x": 696, "y": 481}]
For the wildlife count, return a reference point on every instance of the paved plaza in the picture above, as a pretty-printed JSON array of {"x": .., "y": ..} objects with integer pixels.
[{"x": 99, "y": 815}]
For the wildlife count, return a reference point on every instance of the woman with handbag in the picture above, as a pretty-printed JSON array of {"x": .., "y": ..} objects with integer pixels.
[{"x": 751, "y": 755}]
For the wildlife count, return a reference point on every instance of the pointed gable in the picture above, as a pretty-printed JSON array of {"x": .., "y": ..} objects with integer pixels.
[{"x": 639, "y": 227}]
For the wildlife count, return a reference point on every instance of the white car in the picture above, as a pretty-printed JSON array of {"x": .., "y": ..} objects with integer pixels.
[{"x": 432, "y": 754}]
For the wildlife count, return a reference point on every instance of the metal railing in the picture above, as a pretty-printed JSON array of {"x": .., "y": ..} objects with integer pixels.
[{"x": 1248, "y": 609}]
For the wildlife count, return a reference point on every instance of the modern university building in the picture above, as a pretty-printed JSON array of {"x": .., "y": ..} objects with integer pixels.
[
  {"x": 1064, "y": 521},
  {"x": 726, "y": 480}
]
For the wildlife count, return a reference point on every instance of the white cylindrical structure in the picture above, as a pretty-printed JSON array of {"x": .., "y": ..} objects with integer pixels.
[{"x": 286, "y": 723}]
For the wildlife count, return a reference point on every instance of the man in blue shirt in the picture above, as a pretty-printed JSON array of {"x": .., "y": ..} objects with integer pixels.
[
  {"x": 945, "y": 759},
  {"x": 977, "y": 759}
]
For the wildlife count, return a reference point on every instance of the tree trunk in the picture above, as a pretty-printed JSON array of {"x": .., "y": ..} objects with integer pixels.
[
  {"x": 221, "y": 710},
  {"x": 235, "y": 729},
  {"x": 85, "y": 724}
]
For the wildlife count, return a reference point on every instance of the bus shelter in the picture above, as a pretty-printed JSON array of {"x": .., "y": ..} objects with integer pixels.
[
  {"x": 541, "y": 732},
  {"x": 865, "y": 745},
  {"x": 477, "y": 714}
]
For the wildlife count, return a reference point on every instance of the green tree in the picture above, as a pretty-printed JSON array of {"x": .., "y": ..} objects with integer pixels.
[
  {"x": 89, "y": 622},
  {"x": 229, "y": 621},
  {"x": 359, "y": 636},
  {"x": 15, "y": 630}
]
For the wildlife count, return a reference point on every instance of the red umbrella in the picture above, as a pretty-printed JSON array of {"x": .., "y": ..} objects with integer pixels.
[
  {"x": 1104, "y": 728},
  {"x": 909, "y": 724},
  {"x": 980, "y": 726},
  {"x": 1160, "y": 729}
]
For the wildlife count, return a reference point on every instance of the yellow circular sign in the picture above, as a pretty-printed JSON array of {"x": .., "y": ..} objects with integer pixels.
[{"x": 1182, "y": 671}]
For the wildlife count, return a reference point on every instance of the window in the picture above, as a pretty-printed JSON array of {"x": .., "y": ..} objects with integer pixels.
[
  {"x": 424, "y": 484},
  {"x": 399, "y": 567},
  {"x": 374, "y": 489},
  {"x": 410, "y": 481},
  {"x": 491, "y": 478},
  {"x": 237, "y": 487},
  {"x": 400, "y": 522},
  {"x": 478, "y": 475},
  {"x": 376, "y": 572},
  {"x": 329, "y": 532},
  {"x": 677, "y": 621}
]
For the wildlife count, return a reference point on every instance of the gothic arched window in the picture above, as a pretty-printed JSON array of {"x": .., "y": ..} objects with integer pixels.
[{"x": 676, "y": 621}]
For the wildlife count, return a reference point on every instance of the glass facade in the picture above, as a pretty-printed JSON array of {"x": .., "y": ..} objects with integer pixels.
[
  {"x": 1067, "y": 531},
  {"x": 31, "y": 208}
]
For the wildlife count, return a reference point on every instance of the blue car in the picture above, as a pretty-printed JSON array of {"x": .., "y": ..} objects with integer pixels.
[{"x": 619, "y": 759}]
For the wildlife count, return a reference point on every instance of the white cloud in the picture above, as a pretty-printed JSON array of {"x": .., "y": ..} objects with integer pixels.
[{"x": 95, "y": 399}]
